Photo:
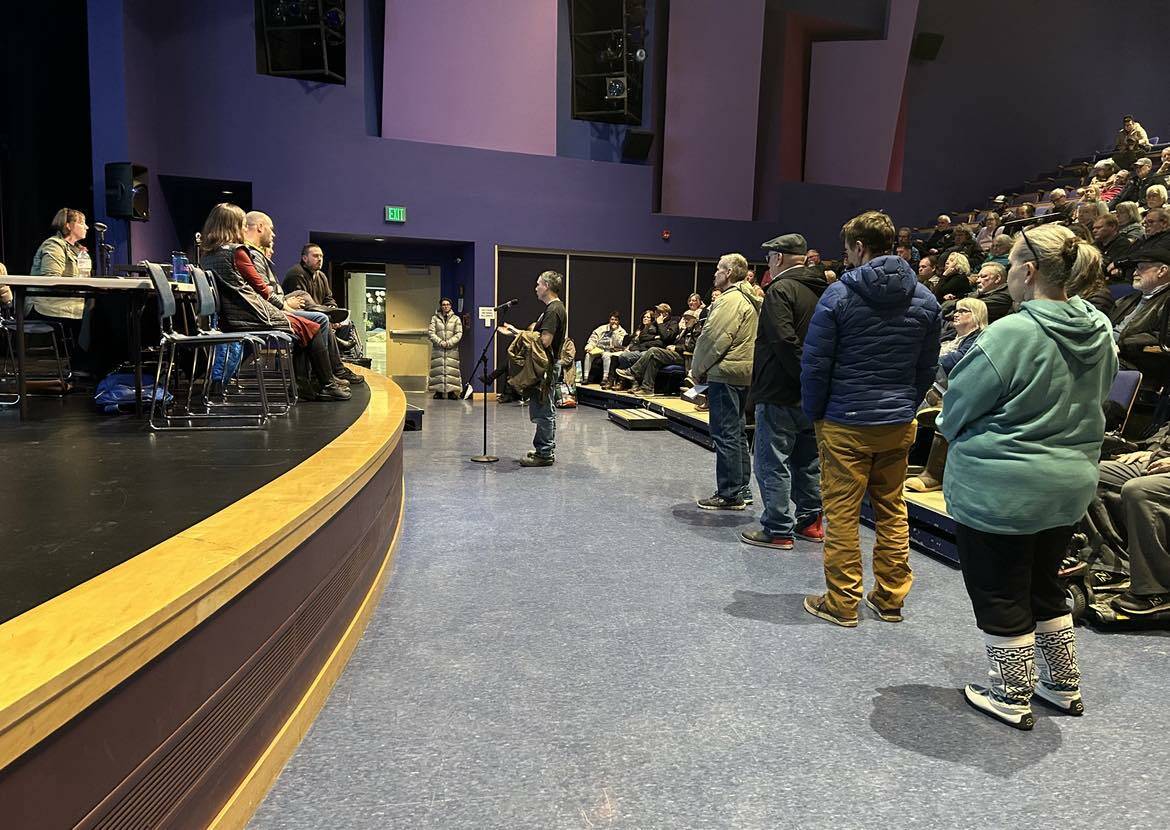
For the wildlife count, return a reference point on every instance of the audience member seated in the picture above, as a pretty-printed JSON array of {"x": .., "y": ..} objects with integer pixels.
[
  {"x": 1104, "y": 170},
  {"x": 1132, "y": 141},
  {"x": 1089, "y": 212},
  {"x": 1062, "y": 204},
  {"x": 938, "y": 241},
  {"x": 964, "y": 243},
  {"x": 695, "y": 303},
  {"x": 993, "y": 291},
  {"x": 1163, "y": 171},
  {"x": 1126, "y": 526},
  {"x": 605, "y": 342},
  {"x": 1156, "y": 197},
  {"x": 1142, "y": 180},
  {"x": 1137, "y": 322},
  {"x": 1155, "y": 223},
  {"x": 1001, "y": 246},
  {"x": 969, "y": 321},
  {"x": 260, "y": 234},
  {"x": 956, "y": 278},
  {"x": 563, "y": 397},
  {"x": 643, "y": 374},
  {"x": 645, "y": 337},
  {"x": 903, "y": 250},
  {"x": 242, "y": 308},
  {"x": 706, "y": 310},
  {"x": 927, "y": 273},
  {"x": 988, "y": 231},
  {"x": 1129, "y": 218},
  {"x": 1109, "y": 241},
  {"x": 904, "y": 238},
  {"x": 1115, "y": 190},
  {"x": 1087, "y": 281}
]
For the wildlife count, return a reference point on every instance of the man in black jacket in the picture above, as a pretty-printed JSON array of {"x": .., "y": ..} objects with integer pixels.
[
  {"x": 644, "y": 372},
  {"x": 1138, "y": 324},
  {"x": 1112, "y": 245},
  {"x": 785, "y": 444},
  {"x": 993, "y": 291},
  {"x": 308, "y": 276}
]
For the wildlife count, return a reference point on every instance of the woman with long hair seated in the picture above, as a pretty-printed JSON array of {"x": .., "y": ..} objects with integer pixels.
[{"x": 243, "y": 309}]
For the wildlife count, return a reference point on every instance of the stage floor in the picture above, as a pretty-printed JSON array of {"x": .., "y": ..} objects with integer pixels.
[{"x": 83, "y": 492}]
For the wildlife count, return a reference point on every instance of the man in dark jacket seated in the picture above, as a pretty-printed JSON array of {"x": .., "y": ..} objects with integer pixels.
[
  {"x": 785, "y": 452},
  {"x": 963, "y": 242},
  {"x": 1139, "y": 318},
  {"x": 993, "y": 291},
  {"x": 644, "y": 372},
  {"x": 1109, "y": 241},
  {"x": 941, "y": 238}
]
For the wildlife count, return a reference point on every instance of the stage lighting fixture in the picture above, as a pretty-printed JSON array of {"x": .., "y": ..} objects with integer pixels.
[{"x": 615, "y": 88}]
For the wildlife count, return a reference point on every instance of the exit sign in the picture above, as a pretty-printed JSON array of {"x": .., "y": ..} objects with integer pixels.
[{"x": 395, "y": 213}]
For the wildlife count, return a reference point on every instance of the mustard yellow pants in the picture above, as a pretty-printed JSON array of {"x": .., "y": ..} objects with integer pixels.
[{"x": 856, "y": 460}]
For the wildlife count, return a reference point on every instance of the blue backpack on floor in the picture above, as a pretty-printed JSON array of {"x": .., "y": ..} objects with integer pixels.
[{"x": 116, "y": 390}]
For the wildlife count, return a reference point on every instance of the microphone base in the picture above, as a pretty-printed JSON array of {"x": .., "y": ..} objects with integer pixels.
[{"x": 484, "y": 459}]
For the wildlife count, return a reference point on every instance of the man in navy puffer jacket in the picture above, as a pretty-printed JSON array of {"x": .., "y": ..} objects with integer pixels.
[{"x": 869, "y": 358}]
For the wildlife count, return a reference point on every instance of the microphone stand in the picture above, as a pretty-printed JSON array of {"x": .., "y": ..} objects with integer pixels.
[{"x": 485, "y": 458}]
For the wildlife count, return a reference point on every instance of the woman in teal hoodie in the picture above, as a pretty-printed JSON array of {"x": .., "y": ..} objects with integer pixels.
[{"x": 1023, "y": 417}]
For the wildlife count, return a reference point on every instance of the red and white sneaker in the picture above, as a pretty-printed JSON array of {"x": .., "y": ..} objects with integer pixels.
[{"x": 814, "y": 531}]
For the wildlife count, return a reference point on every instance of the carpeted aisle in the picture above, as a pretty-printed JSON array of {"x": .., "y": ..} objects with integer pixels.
[{"x": 582, "y": 647}]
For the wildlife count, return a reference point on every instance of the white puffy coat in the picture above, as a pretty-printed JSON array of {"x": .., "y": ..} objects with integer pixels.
[{"x": 446, "y": 332}]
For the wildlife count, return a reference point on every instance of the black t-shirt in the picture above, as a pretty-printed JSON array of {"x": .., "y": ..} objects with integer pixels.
[{"x": 554, "y": 321}]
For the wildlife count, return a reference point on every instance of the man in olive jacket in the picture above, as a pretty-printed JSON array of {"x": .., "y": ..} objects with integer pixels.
[{"x": 723, "y": 355}]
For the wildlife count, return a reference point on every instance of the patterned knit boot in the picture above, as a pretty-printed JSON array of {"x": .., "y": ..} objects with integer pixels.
[
  {"x": 1056, "y": 664},
  {"x": 1012, "y": 676}
]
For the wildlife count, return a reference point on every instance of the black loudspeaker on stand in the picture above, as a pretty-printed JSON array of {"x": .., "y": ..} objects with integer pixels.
[{"x": 487, "y": 380}]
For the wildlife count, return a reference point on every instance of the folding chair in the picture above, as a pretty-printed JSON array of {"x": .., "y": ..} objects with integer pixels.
[
  {"x": 280, "y": 342},
  {"x": 1124, "y": 392},
  {"x": 162, "y": 415}
]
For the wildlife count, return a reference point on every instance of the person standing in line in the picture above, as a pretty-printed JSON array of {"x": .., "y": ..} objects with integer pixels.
[
  {"x": 445, "y": 333},
  {"x": 786, "y": 460},
  {"x": 869, "y": 358},
  {"x": 723, "y": 357},
  {"x": 1023, "y": 417},
  {"x": 551, "y": 325}
]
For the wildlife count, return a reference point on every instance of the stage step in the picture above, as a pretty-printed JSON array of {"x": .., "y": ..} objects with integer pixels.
[{"x": 637, "y": 419}]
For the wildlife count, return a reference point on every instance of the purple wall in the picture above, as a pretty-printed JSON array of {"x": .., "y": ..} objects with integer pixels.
[
  {"x": 712, "y": 105},
  {"x": 314, "y": 169},
  {"x": 480, "y": 74},
  {"x": 864, "y": 79}
]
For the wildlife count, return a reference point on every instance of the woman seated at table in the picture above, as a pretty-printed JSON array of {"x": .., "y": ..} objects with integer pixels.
[
  {"x": 243, "y": 309},
  {"x": 57, "y": 257}
]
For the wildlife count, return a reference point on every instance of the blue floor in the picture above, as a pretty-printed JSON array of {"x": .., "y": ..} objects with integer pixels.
[{"x": 581, "y": 647}]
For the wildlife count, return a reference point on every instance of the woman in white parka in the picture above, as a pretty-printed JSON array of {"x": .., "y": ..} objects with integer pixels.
[{"x": 446, "y": 332}]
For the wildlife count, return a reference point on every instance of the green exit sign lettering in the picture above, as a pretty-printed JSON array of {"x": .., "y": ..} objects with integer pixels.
[{"x": 395, "y": 213}]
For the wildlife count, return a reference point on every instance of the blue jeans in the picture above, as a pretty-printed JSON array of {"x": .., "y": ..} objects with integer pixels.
[
  {"x": 733, "y": 459},
  {"x": 542, "y": 413},
  {"x": 787, "y": 467}
]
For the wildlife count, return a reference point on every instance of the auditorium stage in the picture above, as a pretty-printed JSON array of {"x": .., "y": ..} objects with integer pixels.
[{"x": 174, "y": 607}]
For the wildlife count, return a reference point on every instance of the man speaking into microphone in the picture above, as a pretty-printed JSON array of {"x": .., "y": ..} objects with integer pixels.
[{"x": 550, "y": 326}]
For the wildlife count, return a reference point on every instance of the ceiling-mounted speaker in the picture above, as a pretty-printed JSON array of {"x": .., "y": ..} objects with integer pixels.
[{"x": 926, "y": 46}]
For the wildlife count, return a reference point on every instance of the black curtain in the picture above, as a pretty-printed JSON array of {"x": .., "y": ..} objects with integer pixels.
[
  {"x": 45, "y": 147},
  {"x": 662, "y": 281},
  {"x": 601, "y": 285}
]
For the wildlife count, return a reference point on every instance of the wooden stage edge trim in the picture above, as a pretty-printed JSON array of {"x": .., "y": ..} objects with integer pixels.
[
  {"x": 251, "y": 792},
  {"x": 62, "y": 656}
]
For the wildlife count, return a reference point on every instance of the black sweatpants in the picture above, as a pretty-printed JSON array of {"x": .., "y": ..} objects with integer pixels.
[{"x": 1012, "y": 579}]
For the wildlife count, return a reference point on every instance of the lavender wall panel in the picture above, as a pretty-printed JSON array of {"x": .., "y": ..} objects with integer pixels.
[
  {"x": 862, "y": 80},
  {"x": 712, "y": 107},
  {"x": 480, "y": 74}
]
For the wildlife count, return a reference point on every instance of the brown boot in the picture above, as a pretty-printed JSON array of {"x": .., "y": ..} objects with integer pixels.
[{"x": 930, "y": 479}]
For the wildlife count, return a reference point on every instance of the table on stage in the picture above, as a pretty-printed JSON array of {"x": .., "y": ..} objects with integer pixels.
[{"x": 135, "y": 288}]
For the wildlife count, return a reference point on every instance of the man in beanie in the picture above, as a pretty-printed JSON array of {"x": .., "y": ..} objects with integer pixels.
[{"x": 786, "y": 442}]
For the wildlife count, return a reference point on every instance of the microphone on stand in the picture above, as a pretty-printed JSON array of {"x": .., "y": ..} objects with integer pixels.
[
  {"x": 100, "y": 227},
  {"x": 508, "y": 304}
]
